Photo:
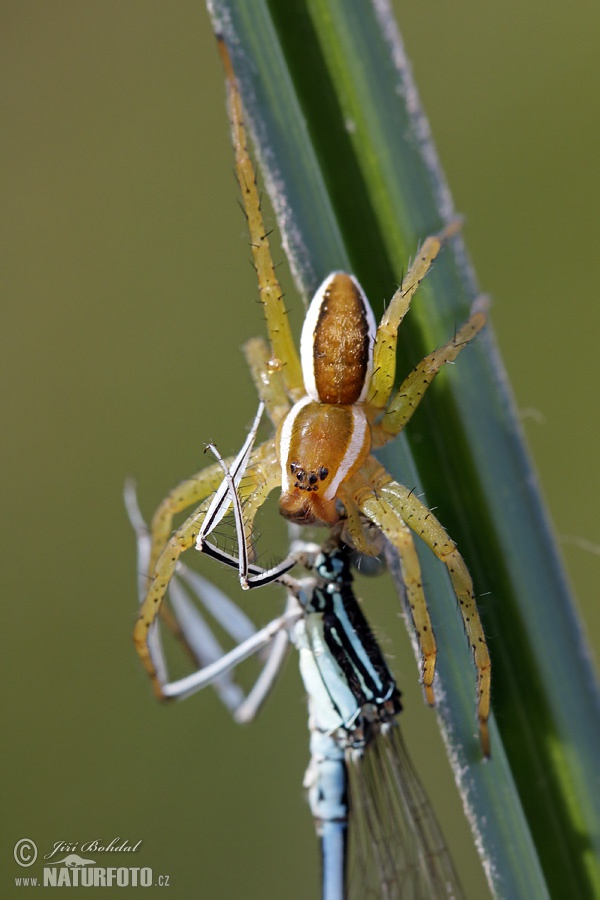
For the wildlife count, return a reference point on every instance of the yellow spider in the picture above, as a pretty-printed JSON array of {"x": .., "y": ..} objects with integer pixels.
[{"x": 330, "y": 406}]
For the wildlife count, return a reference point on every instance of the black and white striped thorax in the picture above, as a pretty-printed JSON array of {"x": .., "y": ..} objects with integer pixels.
[{"x": 346, "y": 676}]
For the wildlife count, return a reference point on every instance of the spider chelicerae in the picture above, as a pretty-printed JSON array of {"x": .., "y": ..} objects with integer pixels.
[{"x": 330, "y": 406}]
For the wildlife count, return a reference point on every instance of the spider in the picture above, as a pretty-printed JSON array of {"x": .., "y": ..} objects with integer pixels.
[{"x": 330, "y": 406}]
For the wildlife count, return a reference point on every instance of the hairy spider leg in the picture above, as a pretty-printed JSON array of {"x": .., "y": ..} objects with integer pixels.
[
  {"x": 270, "y": 373},
  {"x": 254, "y": 491},
  {"x": 197, "y": 636},
  {"x": 406, "y": 506},
  {"x": 423, "y": 522},
  {"x": 261, "y": 478},
  {"x": 190, "y": 492},
  {"x": 144, "y": 542},
  {"x": 386, "y": 339},
  {"x": 409, "y": 394},
  {"x": 196, "y": 488},
  {"x": 278, "y": 326},
  {"x": 381, "y": 512},
  {"x": 355, "y": 532},
  {"x": 267, "y": 377}
]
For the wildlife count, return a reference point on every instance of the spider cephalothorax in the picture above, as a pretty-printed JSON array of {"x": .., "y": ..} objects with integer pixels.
[{"x": 329, "y": 407}]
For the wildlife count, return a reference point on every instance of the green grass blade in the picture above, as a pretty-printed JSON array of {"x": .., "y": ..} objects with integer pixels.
[{"x": 355, "y": 183}]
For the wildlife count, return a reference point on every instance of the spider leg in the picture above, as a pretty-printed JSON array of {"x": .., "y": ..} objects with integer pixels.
[
  {"x": 354, "y": 532},
  {"x": 422, "y": 521},
  {"x": 190, "y": 492},
  {"x": 384, "y": 351},
  {"x": 228, "y": 493},
  {"x": 353, "y": 529},
  {"x": 268, "y": 380},
  {"x": 262, "y": 477},
  {"x": 186, "y": 621},
  {"x": 412, "y": 389},
  {"x": 278, "y": 326},
  {"x": 193, "y": 491},
  {"x": 144, "y": 541},
  {"x": 255, "y": 487},
  {"x": 383, "y": 514}
]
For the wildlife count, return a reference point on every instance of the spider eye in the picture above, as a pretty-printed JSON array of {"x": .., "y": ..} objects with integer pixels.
[
  {"x": 323, "y": 473},
  {"x": 312, "y": 478}
]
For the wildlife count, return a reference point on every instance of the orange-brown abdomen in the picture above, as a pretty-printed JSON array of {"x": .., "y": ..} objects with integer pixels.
[{"x": 336, "y": 347}]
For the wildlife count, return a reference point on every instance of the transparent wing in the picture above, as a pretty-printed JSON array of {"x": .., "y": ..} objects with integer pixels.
[{"x": 396, "y": 847}]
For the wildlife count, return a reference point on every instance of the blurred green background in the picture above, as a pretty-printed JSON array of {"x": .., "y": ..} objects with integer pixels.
[{"x": 128, "y": 293}]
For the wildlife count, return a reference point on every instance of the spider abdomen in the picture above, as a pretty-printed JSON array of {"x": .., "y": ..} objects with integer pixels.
[
  {"x": 336, "y": 347},
  {"x": 320, "y": 445}
]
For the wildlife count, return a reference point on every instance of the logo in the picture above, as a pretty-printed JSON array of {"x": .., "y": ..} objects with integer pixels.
[
  {"x": 72, "y": 861},
  {"x": 65, "y": 866},
  {"x": 25, "y": 852}
]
